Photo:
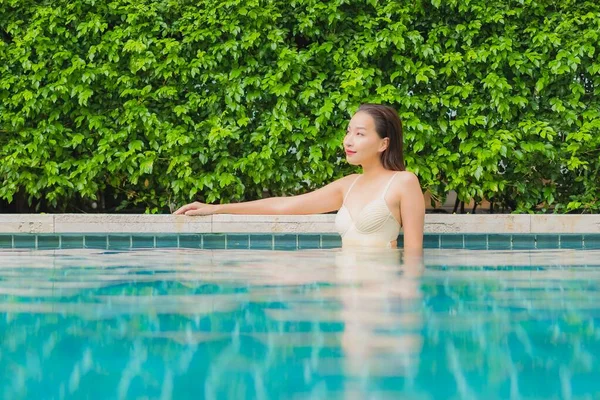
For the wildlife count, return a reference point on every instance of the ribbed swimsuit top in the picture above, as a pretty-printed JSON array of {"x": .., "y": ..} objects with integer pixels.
[{"x": 374, "y": 226}]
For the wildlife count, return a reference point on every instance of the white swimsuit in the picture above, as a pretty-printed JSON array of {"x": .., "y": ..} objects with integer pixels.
[{"x": 374, "y": 226}]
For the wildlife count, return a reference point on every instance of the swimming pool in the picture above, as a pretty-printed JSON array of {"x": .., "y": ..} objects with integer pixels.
[{"x": 315, "y": 323}]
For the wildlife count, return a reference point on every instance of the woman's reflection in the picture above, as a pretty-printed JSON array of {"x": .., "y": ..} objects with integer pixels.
[{"x": 381, "y": 307}]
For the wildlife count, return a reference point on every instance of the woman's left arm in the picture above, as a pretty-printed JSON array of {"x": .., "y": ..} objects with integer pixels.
[{"x": 412, "y": 212}]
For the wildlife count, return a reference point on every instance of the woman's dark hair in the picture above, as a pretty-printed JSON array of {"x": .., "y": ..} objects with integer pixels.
[{"x": 387, "y": 125}]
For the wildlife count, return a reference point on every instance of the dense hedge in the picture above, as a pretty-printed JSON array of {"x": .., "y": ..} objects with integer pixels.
[{"x": 140, "y": 104}]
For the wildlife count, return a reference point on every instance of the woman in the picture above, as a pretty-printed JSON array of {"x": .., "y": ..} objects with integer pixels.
[{"x": 372, "y": 206}]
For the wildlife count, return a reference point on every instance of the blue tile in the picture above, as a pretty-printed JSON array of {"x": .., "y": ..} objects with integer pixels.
[
  {"x": 6, "y": 241},
  {"x": 592, "y": 241},
  {"x": 238, "y": 241},
  {"x": 523, "y": 242},
  {"x": 119, "y": 241},
  {"x": 48, "y": 242},
  {"x": 307, "y": 241},
  {"x": 285, "y": 241},
  {"x": 96, "y": 241},
  {"x": 571, "y": 241},
  {"x": 213, "y": 241},
  {"x": 330, "y": 241},
  {"x": 431, "y": 241},
  {"x": 400, "y": 241},
  {"x": 142, "y": 241},
  {"x": 499, "y": 241},
  {"x": 24, "y": 241},
  {"x": 166, "y": 241},
  {"x": 475, "y": 241},
  {"x": 451, "y": 241},
  {"x": 264, "y": 242},
  {"x": 546, "y": 241},
  {"x": 190, "y": 241},
  {"x": 71, "y": 242}
]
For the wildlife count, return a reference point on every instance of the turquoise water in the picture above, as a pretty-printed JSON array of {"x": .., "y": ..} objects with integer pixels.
[{"x": 327, "y": 323}]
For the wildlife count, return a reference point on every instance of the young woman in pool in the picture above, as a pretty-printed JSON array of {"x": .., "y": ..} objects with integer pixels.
[{"x": 372, "y": 206}]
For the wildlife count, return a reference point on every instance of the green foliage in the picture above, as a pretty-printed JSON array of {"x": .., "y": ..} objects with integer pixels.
[{"x": 149, "y": 103}]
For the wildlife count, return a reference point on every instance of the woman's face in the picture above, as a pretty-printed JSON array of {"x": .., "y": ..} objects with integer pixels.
[{"x": 362, "y": 143}]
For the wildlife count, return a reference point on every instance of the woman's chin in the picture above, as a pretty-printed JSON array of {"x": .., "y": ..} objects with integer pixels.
[{"x": 351, "y": 161}]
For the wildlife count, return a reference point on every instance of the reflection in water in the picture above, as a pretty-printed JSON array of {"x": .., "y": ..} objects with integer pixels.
[
  {"x": 321, "y": 323},
  {"x": 381, "y": 308}
]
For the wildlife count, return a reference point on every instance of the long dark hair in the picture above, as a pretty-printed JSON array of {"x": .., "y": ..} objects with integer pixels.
[{"x": 388, "y": 125}]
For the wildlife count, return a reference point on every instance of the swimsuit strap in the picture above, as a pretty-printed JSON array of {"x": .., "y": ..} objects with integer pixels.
[
  {"x": 388, "y": 185},
  {"x": 351, "y": 186}
]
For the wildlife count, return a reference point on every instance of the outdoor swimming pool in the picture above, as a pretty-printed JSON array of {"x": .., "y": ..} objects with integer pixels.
[{"x": 315, "y": 323}]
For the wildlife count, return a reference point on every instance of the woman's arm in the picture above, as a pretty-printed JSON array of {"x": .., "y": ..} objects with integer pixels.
[
  {"x": 412, "y": 212},
  {"x": 326, "y": 199}
]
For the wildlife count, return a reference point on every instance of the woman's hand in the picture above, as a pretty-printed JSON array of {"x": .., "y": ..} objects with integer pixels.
[{"x": 197, "y": 208}]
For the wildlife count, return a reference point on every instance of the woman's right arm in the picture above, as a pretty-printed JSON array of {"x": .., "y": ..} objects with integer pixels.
[{"x": 326, "y": 199}]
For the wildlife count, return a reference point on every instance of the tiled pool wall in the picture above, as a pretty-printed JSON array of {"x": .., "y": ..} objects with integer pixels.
[
  {"x": 287, "y": 241},
  {"x": 126, "y": 231}
]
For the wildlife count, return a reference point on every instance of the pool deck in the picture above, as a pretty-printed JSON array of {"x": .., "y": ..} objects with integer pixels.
[{"x": 142, "y": 223}]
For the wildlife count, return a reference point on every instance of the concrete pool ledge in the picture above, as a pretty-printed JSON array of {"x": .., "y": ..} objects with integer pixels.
[{"x": 143, "y": 223}]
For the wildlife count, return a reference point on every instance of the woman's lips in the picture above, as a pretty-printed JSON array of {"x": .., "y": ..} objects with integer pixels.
[{"x": 350, "y": 152}]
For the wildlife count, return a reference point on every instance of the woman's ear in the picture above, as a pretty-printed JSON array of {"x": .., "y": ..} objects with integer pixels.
[{"x": 384, "y": 144}]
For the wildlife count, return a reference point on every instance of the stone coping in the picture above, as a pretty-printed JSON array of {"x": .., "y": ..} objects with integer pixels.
[{"x": 323, "y": 223}]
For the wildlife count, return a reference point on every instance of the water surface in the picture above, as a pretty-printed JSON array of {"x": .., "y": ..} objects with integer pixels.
[{"x": 220, "y": 324}]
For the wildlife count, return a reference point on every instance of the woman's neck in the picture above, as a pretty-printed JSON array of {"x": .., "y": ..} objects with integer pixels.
[{"x": 373, "y": 169}]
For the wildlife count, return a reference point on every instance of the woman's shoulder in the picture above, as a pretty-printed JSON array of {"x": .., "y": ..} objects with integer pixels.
[
  {"x": 405, "y": 182},
  {"x": 344, "y": 182},
  {"x": 407, "y": 176},
  {"x": 348, "y": 178}
]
